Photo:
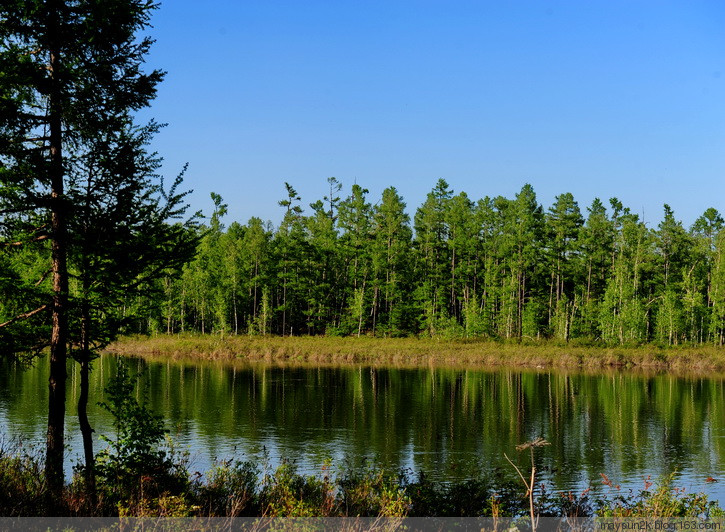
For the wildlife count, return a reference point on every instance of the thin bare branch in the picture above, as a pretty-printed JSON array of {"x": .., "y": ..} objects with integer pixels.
[
  {"x": 538, "y": 442},
  {"x": 25, "y": 315},
  {"x": 36, "y": 239},
  {"x": 43, "y": 277},
  {"x": 518, "y": 471}
]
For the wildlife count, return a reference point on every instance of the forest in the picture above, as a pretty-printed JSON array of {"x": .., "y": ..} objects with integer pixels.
[{"x": 492, "y": 268}]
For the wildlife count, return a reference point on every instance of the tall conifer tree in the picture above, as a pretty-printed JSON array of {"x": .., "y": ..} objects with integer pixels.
[{"x": 71, "y": 79}]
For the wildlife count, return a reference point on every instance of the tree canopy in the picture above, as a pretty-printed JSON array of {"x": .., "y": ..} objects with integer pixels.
[{"x": 495, "y": 267}]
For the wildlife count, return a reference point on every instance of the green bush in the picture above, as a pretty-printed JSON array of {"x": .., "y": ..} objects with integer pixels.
[
  {"x": 230, "y": 490},
  {"x": 373, "y": 493},
  {"x": 134, "y": 466},
  {"x": 288, "y": 494},
  {"x": 665, "y": 501},
  {"x": 22, "y": 488}
]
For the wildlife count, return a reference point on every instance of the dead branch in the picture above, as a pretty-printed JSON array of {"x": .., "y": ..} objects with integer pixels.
[
  {"x": 33, "y": 52},
  {"x": 36, "y": 239},
  {"x": 24, "y": 315},
  {"x": 43, "y": 277}
]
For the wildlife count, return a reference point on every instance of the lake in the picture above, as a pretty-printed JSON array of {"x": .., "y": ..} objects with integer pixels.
[{"x": 450, "y": 423}]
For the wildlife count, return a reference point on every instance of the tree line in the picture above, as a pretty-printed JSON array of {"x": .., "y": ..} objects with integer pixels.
[{"x": 496, "y": 267}]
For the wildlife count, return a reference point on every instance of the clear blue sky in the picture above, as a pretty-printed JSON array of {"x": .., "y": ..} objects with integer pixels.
[{"x": 598, "y": 98}]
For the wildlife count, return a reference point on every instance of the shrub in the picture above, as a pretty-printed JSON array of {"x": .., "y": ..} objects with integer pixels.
[
  {"x": 372, "y": 493},
  {"x": 230, "y": 490},
  {"x": 22, "y": 488},
  {"x": 665, "y": 501},
  {"x": 134, "y": 466},
  {"x": 287, "y": 494}
]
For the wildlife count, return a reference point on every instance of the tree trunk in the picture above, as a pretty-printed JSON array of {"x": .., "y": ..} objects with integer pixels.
[
  {"x": 59, "y": 336},
  {"x": 183, "y": 305},
  {"x": 85, "y": 426}
]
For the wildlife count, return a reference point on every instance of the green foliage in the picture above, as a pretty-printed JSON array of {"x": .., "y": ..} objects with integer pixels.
[
  {"x": 230, "y": 490},
  {"x": 288, "y": 494},
  {"x": 22, "y": 489},
  {"x": 497, "y": 268},
  {"x": 665, "y": 501},
  {"x": 474, "y": 319},
  {"x": 479, "y": 497},
  {"x": 134, "y": 465},
  {"x": 79, "y": 189},
  {"x": 235, "y": 488},
  {"x": 371, "y": 492}
]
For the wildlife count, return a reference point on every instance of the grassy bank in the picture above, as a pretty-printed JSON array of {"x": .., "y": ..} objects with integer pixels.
[{"x": 418, "y": 352}]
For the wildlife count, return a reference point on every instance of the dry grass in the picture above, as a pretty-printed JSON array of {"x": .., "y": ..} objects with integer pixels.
[{"x": 421, "y": 352}]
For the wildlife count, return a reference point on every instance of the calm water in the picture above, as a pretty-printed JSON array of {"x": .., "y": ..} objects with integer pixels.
[{"x": 450, "y": 423}]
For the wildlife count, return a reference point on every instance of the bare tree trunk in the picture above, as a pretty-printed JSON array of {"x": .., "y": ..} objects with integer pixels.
[
  {"x": 181, "y": 311},
  {"x": 85, "y": 426},
  {"x": 59, "y": 336}
]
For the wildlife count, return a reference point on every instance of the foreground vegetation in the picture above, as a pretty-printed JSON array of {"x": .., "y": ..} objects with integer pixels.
[
  {"x": 422, "y": 352},
  {"x": 235, "y": 488}
]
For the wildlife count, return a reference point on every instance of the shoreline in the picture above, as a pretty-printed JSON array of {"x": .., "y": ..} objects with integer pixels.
[{"x": 422, "y": 352}]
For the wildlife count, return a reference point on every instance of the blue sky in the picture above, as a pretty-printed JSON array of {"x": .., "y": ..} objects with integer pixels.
[{"x": 596, "y": 98}]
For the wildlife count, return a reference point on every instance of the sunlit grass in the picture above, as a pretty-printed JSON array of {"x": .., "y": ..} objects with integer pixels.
[{"x": 417, "y": 352}]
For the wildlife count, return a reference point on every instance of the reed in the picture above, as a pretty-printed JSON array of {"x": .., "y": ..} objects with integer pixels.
[{"x": 423, "y": 352}]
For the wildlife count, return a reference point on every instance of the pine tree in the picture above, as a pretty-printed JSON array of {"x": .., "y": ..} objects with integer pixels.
[
  {"x": 71, "y": 80},
  {"x": 674, "y": 251},
  {"x": 564, "y": 223},
  {"x": 704, "y": 233},
  {"x": 256, "y": 244},
  {"x": 355, "y": 220},
  {"x": 523, "y": 228},
  {"x": 717, "y": 294},
  {"x": 431, "y": 235},
  {"x": 289, "y": 249},
  {"x": 391, "y": 260},
  {"x": 122, "y": 240},
  {"x": 462, "y": 242}
]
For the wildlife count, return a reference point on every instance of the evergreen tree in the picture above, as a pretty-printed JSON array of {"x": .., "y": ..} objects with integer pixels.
[
  {"x": 624, "y": 312},
  {"x": 523, "y": 228},
  {"x": 704, "y": 233},
  {"x": 256, "y": 246},
  {"x": 596, "y": 245},
  {"x": 431, "y": 234},
  {"x": 319, "y": 271},
  {"x": 122, "y": 240},
  {"x": 674, "y": 251},
  {"x": 462, "y": 246},
  {"x": 717, "y": 293},
  {"x": 71, "y": 80},
  {"x": 563, "y": 223},
  {"x": 355, "y": 220},
  {"x": 290, "y": 243},
  {"x": 391, "y": 258}
]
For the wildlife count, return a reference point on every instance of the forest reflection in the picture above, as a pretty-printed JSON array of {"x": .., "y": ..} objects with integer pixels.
[{"x": 450, "y": 423}]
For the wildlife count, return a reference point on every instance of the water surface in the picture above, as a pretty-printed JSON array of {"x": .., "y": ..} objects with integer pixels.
[{"x": 450, "y": 423}]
